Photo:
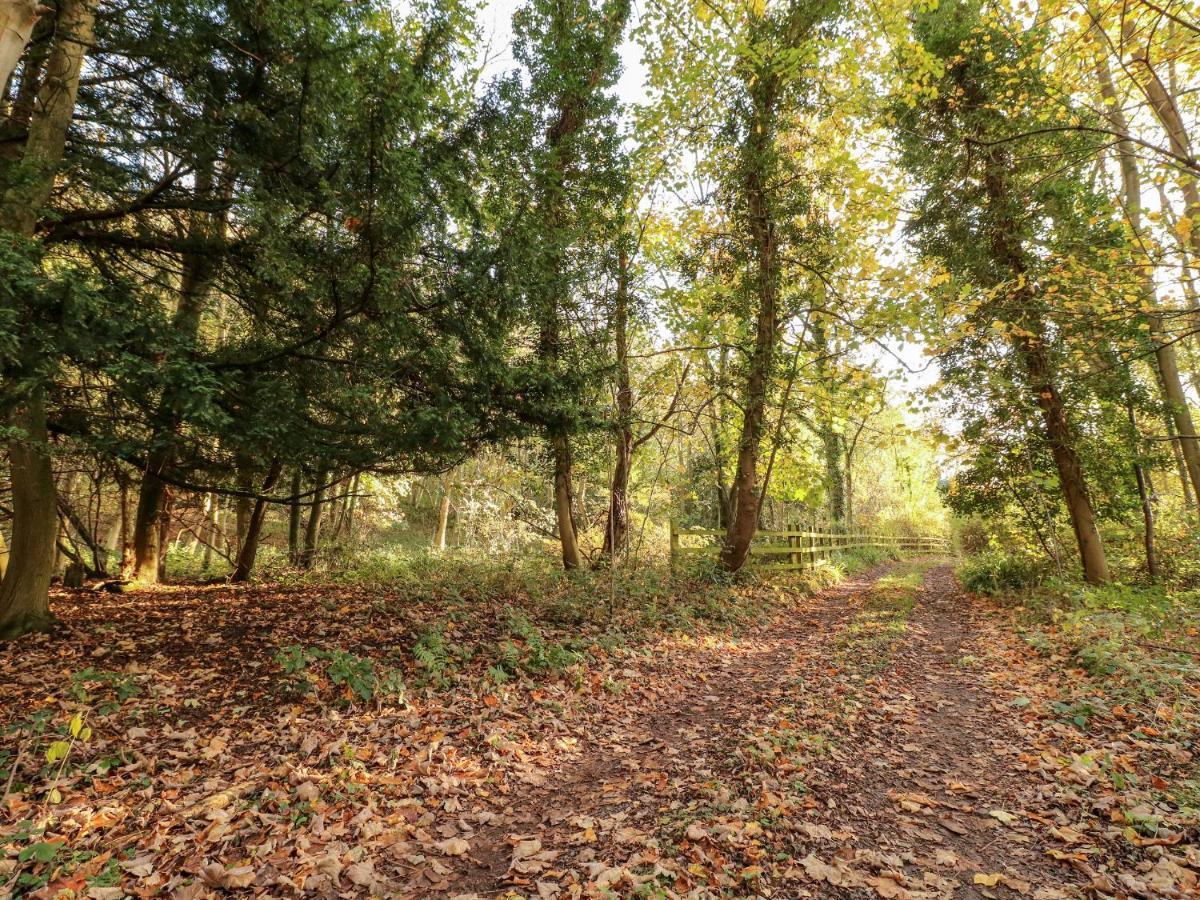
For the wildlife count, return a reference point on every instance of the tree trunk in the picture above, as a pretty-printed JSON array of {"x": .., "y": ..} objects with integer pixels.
[
  {"x": 616, "y": 530},
  {"x": 249, "y": 549},
  {"x": 1146, "y": 496},
  {"x": 765, "y": 281},
  {"x": 24, "y": 603},
  {"x": 1029, "y": 345},
  {"x": 199, "y": 272},
  {"x": 443, "y": 520},
  {"x": 352, "y": 505},
  {"x": 85, "y": 534},
  {"x": 294, "y": 520},
  {"x": 1131, "y": 183},
  {"x": 214, "y": 530},
  {"x": 147, "y": 532},
  {"x": 312, "y": 532},
  {"x": 17, "y": 18},
  {"x": 572, "y": 113},
  {"x": 560, "y": 448}
]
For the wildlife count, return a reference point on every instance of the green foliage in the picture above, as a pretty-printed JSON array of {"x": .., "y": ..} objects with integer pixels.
[
  {"x": 528, "y": 651},
  {"x": 995, "y": 572},
  {"x": 356, "y": 674},
  {"x": 432, "y": 653}
]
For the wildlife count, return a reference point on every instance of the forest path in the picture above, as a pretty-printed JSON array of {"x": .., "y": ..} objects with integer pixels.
[{"x": 857, "y": 747}]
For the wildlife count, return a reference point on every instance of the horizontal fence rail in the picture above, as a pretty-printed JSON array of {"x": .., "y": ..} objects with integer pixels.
[{"x": 779, "y": 551}]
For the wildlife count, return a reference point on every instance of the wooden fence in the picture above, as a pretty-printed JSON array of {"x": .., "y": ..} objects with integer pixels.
[{"x": 783, "y": 550}]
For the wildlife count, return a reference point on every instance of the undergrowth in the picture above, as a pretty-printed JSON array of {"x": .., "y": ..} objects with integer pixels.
[
  {"x": 1135, "y": 643},
  {"x": 506, "y": 620}
]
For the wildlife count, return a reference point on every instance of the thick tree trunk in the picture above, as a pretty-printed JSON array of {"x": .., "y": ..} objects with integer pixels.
[
  {"x": 147, "y": 529},
  {"x": 1029, "y": 344},
  {"x": 17, "y": 18},
  {"x": 616, "y": 529},
  {"x": 249, "y": 549},
  {"x": 831, "y": 444},
  {"x": 24, "y": 604}
]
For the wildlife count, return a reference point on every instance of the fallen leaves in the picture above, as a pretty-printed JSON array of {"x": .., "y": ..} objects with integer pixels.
[{"x": 720, "y": 765}]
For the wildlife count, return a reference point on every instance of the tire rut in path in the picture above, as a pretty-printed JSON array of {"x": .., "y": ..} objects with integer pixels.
[{"x": 626, "y": 771}]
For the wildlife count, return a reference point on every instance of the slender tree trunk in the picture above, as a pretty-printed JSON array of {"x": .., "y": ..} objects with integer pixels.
[
  {"x": 1185, "y": 484},
  {"x": 560, "y": 448},
  {"x": 312, "y": 532},
  {"x": 1164, "y": 348},
  {"x": 616, "y": 530},
  {"x": 294, "y": 520},
  {"x": 85, "y": 534},
  {"x": 1146, "y": 496},
  {"x": 352, "y": 505},
  {"x": 24, "y": 602},
  {"x": 249, "y": 548},
  {"x": 443, "y": 519},
  {"x": 724, "y": 494},
  {"x": 573, "y": 111}
]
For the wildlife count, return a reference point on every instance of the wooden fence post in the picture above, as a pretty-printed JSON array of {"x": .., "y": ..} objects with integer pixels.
[{"x": 674, "y": 544}]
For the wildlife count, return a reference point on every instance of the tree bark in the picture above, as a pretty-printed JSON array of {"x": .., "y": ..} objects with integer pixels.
[
  {"x": 1146, "y": 496},
  {"x": 765, "y": 281},
  {"x": 560, "y": 449},
  {"x": 294, "y": 520},
  {"x": 24, "y": 602},
  {"x": 312, "y": 532},
  {"x": 616, "y": 530},
  {"x": 249, "y": 549},
  {"x": 443, "y": 520},
  {"x": 17, "y": 19},
  {"x": 1029, "y": 345},
  {"x": 1131, "y": 185}
]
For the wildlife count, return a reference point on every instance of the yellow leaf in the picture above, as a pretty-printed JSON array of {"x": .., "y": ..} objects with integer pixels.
[{"x": 987, "y": 880}]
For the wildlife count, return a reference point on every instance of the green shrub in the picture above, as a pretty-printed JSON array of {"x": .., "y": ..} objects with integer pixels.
[
  {"x": 995, "y": 573},
  {"x": 355, "y": 673},
  {"x": 861, "y": 558}
]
